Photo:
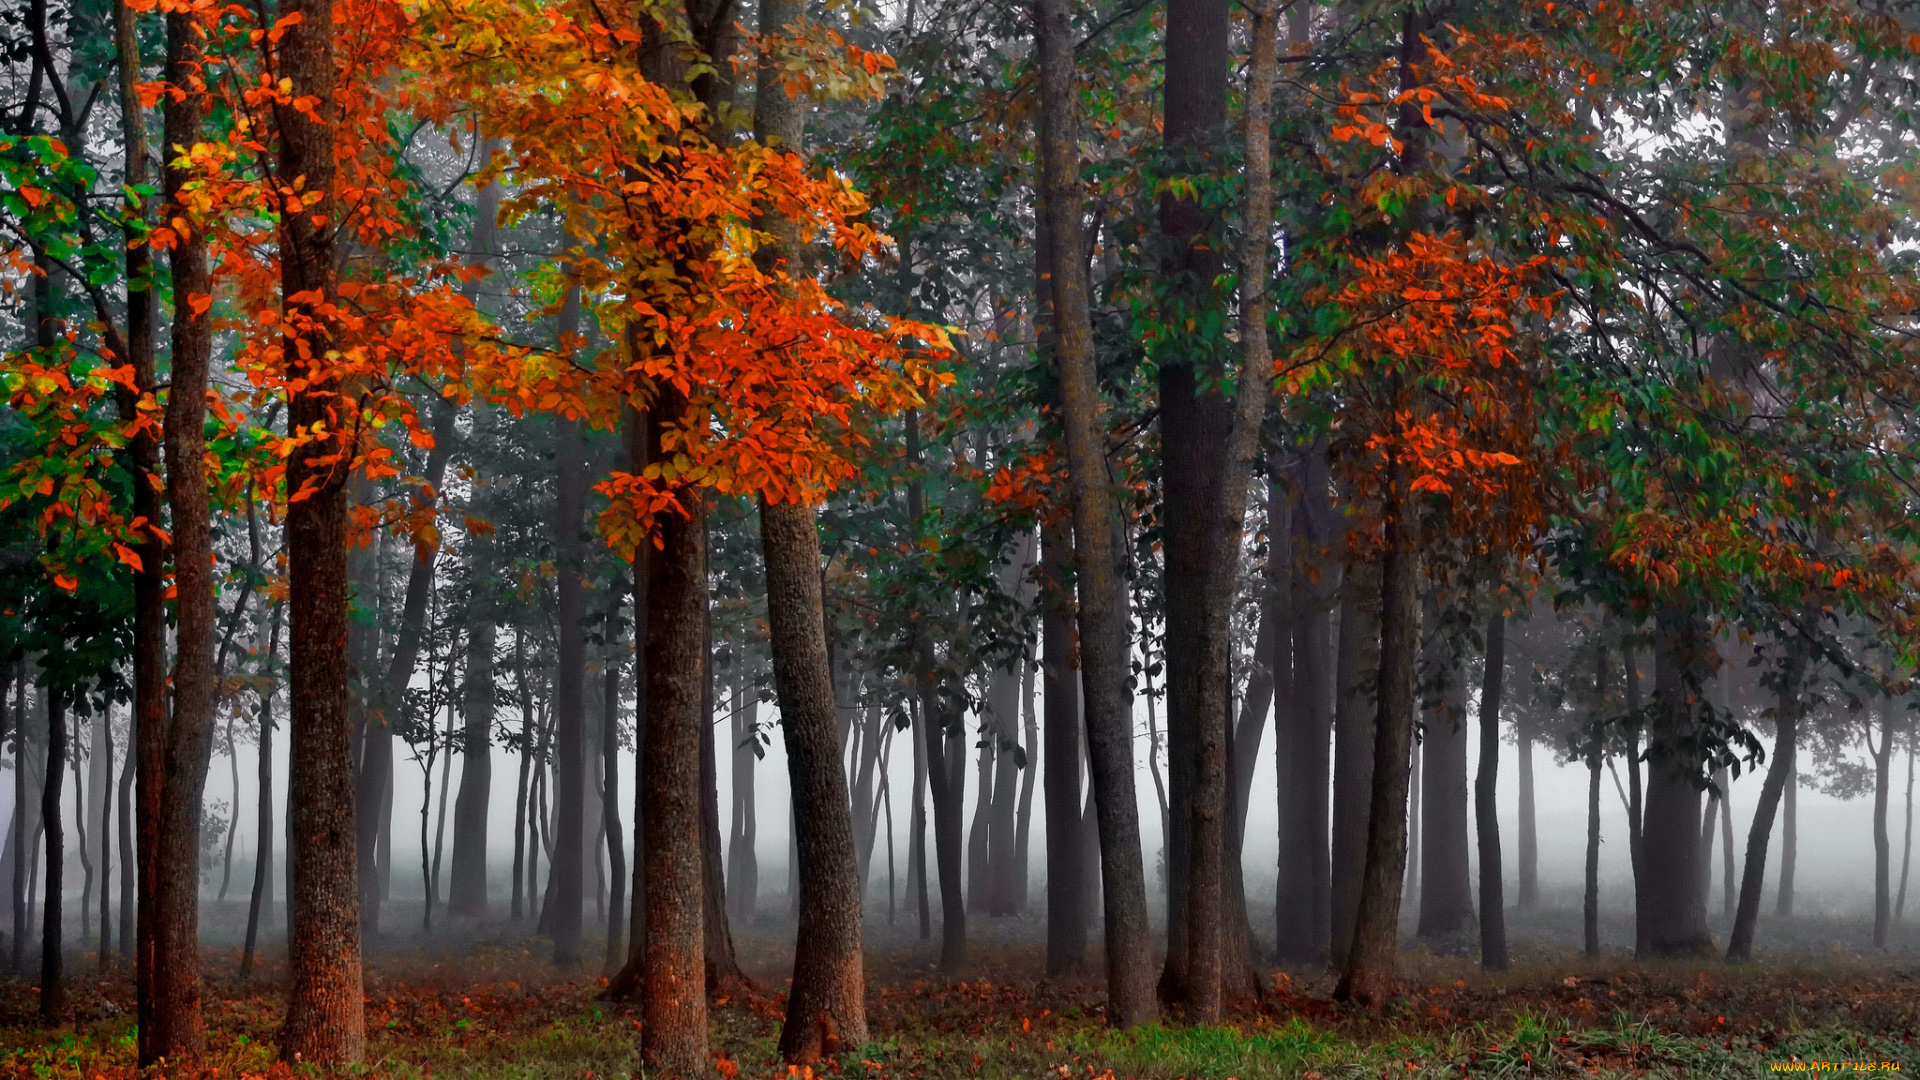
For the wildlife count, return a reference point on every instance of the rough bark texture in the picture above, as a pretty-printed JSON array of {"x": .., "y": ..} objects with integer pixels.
[
  {"x": 1369, "y": 972},
  {"x": 826, "y": 1009},
  {"x": 673, "y": 1039},
  {"x": 1067, "y": 917},
  {"x": 1104, "y": 645},
  {"x": 1357, "y": 672},
  {"x": 1786, "y": 731},
  {"x": 326, "y": 1024},
  {"x": 1486, "y": 807},
  {"x": 1670, "y": 880}
]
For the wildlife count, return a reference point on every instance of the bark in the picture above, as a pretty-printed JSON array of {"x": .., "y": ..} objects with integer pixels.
[
  {"x": 1315, "y": 572},
  {"x": 17, "y": 843},
  {"x": 1529, "y": 841},
  {"x": 1446, "y": 887},
  {"x": 178, "y": 752},
  {"x": 1029, "y": 775},
  {"x": 1636, "y": 800},
  {"x": 1789, "y": 842},
  {"x": 917, "y": 827},
  {"x": 674, "y": 1003},
  {"x": 1486, "y": 812},
  {"x": 52, "y": 983},
  {"x": 260, "y": 902},
  {"x": 1356, "y": 675},
  {"x": 827, "y": 1002},
  {"x": 1369, "y": 974},
  {"x": 103, "y": 824},
  {"x": 1670, "y": 886},
  {"x": 80, "y": 828},
  {"x": 325, "y": 1024},
  {"x": 1786, "y": 737},
  {"x": 148, "y": 726},
  {"x": 1067, "y": 918},
  {"x": 1104, "y": 645}
]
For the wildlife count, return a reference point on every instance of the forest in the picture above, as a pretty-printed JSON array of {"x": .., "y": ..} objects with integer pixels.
[{"x": 920, "y": 539}]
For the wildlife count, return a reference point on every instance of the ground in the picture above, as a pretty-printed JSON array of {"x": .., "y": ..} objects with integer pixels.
[{"x": 490, "y": 1007}]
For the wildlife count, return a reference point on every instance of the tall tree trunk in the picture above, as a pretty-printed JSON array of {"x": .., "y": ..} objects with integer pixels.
[
  {"x": 1670, "y": 889},
  {"x": 827, "y": 1002},
  {"x": 1727, "y": 888},
  {"x": 1369, "y": 974},
  {"x": 1313, "y": 577},
  {"x": 178, "y": 752},
  {"x": 1446, "y": 887},
  {"x": 80, "y": 829},
  {"x": 743, "y": 864},
  {"x": 148, "y": 726},
  {"x": 1636, "y": 800},
  {"x": 1356, "y": 673},
  {"x": 103, "y": 823},
  {"x": 1067, "y": 918},
  {"x": 467, "y": 881},
  {"x": 52, "y": 983},
  {"x": 1789, "y": 842},
  {"x": 917, "y": 826},
  {"x": 1104, "y": 645},
  {"x": 1591, "y": 907},
  {"x": 521, "y": 821},
  {"x": 326, "y": 1023},
  {"x": 674, "y": 1002},
  {"x": 723, "y": 976},
  {"x": 22, "y": 836},
  {"x": 1906, "y": 843},
  {"x": 260, "y": 902},
  {"x": 1029, "y": 775},
  {"x": 233, "y": 817},
  {"x": 1882, "y": 849},
  {"x": 1529, "y": 842},
  {"x": 1786, "y": 737},
  {"x": 1486, "y": 805}
]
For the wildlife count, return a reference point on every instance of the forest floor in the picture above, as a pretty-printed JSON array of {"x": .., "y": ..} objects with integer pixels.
[{"x": 489, "y": 1006}]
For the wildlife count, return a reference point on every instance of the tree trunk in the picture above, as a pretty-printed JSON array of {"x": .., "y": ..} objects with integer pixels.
[
  {"x": 723, "y": 976},
  {"x": 1789, "y": 842},
  {"x": 1023, "y": 813},
  {"x": 80, "y": 828},
  {"x": 569, "y": 696},
  {"x": 743, "y": 864},
  {"x": 1636, "y": 801},
  {"x": 467, "y": 880},
  {"x": 1591, "y": 907},
  {"x": 1670, "y": 845},
  {"x": 52, "y": 983},
  {"x": 326, "y": 1024},
  {"x": 1906, "y": 843},
  {"x": 1446, "y": 886},
  {"x": 1067, "y": 918},
  {"x": 1104, "y": 645},
  {"x": 1356, "y": 673},
  {"x": 827, "y": 1004},
  {"x": 1882, "y": 850},
  {"x": 674, "y": 1002},
  {"x": 1369, "y": 974},
  {"x": 917, "y": 826},
  {"x": 102, "y": 763},
  {"x": 129, "y": 874},
  {"x": 1486, "y": 806},
  {"x": 178, "y": 752},
  {"x": 1529, "y": 842},
  {"x": 1786, "y": 738},
  {"x": 17, "y": 896},
  {"x": 521, "y": 822},
  {"x": 260, "y": 903}
]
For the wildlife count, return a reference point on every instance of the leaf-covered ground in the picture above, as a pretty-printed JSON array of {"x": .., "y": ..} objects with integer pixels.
[{"x": 478, "y": 1009}]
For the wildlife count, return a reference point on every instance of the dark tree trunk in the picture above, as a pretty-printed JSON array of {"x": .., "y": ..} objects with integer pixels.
[
  {"x": 129, "y": 903},
  {"x": 743, "y": 864},
  {"x": 467, "y": 881},
  {"x": 1906, "y": 842},
  {"x": 1446, "y": 886},
  {"x": 1636, "y": 800},
  {"x": 1486, "y": 807},
  {"x": 1670, "y": 889},
  {"x": 1590, "y": 910},
  {"x": 1104, "y": 644},
  {"x": 1369, "y": 974},
  {"x": 521, "y": 822},
  {"x": 1023, "y": 813},
  {"x": 1789, "y": 842},
  {"x": 1067, "y": 917},
  {"x": 1882, "y": 848},
  {"x": 326, "y": 1024},
  {"x": 22, "y": 836},
  {"x": 917, "y": 825},
  {"x": 826, "y": 1009},
  {"x": 723, "y": 976},
  {"x": 1356, "y": 674},
  {"x": 178, "y": 753},
  {"x": 260, "y": 902},
  {"x": 1786, "y": 729},
  {"x": 1529, "y": 842},
  {"x": 674, "y": 1000},
  {"x": 52, "y": 984}
]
